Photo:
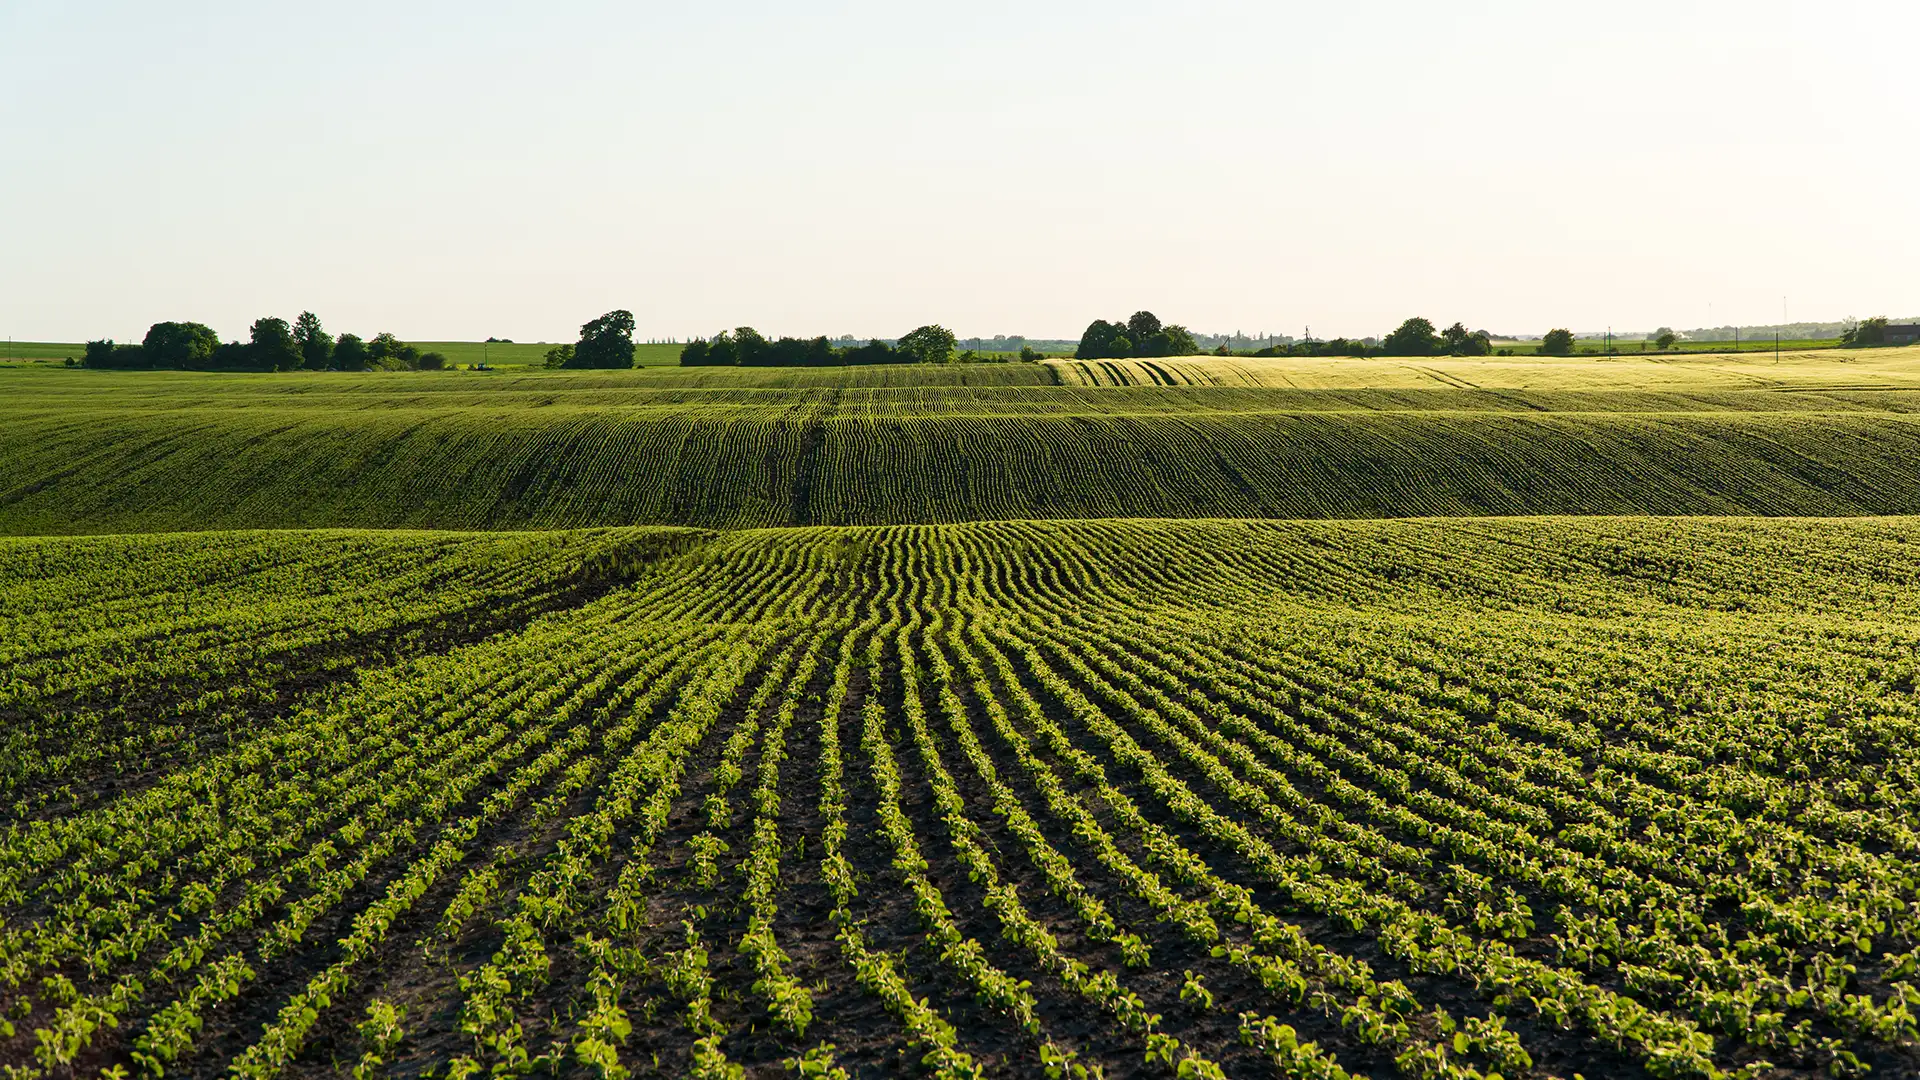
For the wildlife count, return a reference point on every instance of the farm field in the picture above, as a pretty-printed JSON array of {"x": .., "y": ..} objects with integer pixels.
[
  {"x": 90, "y": 452},
  {"x": 1540, "y": 797},
  {"x": 28, "y": 351}
]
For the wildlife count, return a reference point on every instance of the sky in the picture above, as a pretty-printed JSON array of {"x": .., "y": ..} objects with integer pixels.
[{"x": 453, "y": 171}]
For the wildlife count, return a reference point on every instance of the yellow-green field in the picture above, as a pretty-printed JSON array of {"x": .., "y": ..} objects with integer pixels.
[{"x": 1816, "y": 433}]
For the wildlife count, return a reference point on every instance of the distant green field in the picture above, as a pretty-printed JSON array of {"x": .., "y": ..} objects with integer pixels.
[
  {"x": 40, "y": 350},
  {"x": 1815, "y": 434}
]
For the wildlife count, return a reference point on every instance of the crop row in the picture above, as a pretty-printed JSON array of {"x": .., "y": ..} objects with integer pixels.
[
  {"x": 773, "y": 464},
  {"x": 1422, "y": 799}
]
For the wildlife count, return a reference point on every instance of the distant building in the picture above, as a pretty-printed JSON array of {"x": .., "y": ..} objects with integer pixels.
[{"x": 1903, "y": 335}]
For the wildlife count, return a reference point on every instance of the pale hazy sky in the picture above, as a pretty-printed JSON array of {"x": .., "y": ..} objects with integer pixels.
[{"x": 454, "y": 170}]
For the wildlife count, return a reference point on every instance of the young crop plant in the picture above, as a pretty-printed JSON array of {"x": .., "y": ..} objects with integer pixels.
[{"x": 1427, "y": 798}]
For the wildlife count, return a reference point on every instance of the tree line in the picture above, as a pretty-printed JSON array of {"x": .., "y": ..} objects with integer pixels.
[
  {"x": 1415, "y": 337},
  {"x": 272, "y": 344},
  {"x": 746, "y": 347},
  {"x": 1142, "y": 335}
]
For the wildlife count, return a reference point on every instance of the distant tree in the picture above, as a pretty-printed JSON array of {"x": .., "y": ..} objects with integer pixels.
[
  {"x": 271, "y": 343},
  {"x": 1457, "y": 340},
  {"x": 1665, "y": 340},
  {"x": 99, "y": 354},
  {"x": 1143, "y": 325},
  {"x": 1178, "y": 341},
  {"x": 786, "y": 352},
  {"x": 185, "y": 345},
  {"x": 1029, "y": 355},
  {"x": 1415, "y": 337},
  {"x": 1557, "y": 343},
  {"x": 350, "y": 353},
  {"x": 1341, "y": 347},
  {"x": 233, "y": 356},
  {"x": 751, "y": 348},
  {"x": 694, "y": 353},
  {"x": 1866, "y": 332},
  {"x": 819, "y": 352},
  {"x": 560, "y": 356},
  {"x": 873, "y": 352},
  {"x": 722, "y": 351},
  {"x": 390, "y": 353},
  {"x": 927, "y": 345},
  {"x": 499, "y": 341},
  {"x": 1102, "y": 341},
  {"x": 606, "y": 342},
  {"x": 316, "y": 345}
]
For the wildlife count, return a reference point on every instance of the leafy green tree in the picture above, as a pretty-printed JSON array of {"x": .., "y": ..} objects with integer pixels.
[
  {"x": 820, "y": 352},
  {"x": 751, "y": 348},
  {"x": 1557, "y": 343},
  {"x": 560, "y": 356},
  {"x": 1143, "y": 325},
  {"x": 1103, "y": 341},
  {"x": 695, "y": 353},
  {"x": 99, "y": 355},
  {"x": 1415, "y": 337},
  {"x": 1166, "y": 341},
  {"x": 786, "y": 352},
  {"x": 233, "y": 356},
  {"x": 316, "y": 345},
  {"x": 185, "y": 345},
  {"x": 270, "y": 341},
  {"x": 390, "y": 353},
  {"x": 1457, "y": 340},
  {"x": 927, "y": 345},
  {"x": 873, "y": 352},
  {"x": 433, "y": 361},
  {"x": 1665, "y": 339},
  {"x": 722, "y": 351},
  {"x": 1028, "y": 354},
  {"x": 606, "y": 342},
  {"x": 1179, "y": 341},
  {"x": 350, "y": 353}
]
